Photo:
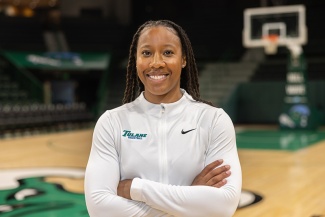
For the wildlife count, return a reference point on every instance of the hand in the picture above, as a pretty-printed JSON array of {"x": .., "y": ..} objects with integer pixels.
[
  {"x": 212, "y": 176},
  {"x": 123, "y": 188}
]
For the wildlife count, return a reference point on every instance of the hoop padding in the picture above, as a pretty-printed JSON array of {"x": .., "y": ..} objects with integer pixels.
[{"x": 271, "y": 44}]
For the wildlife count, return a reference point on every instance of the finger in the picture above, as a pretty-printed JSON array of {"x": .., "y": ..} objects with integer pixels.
[
  {"x": 216, "y": 171},
  {"x": 120, "y": 189},
  {"x": 209, "y": 172},
  {"x": 211, "y": 166},
  {"x": 219, "y": 178},
  {"x": 221, "y": 183}
]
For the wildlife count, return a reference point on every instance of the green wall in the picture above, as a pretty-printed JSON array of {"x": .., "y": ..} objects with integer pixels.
[{"x": 262, "y": 102}]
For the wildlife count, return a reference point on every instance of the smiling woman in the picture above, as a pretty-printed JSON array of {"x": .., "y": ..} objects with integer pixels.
[{"x": 166, "y": 151}]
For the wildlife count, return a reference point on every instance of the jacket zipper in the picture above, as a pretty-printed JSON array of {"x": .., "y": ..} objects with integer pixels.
[{"x": 163, "y": 147}]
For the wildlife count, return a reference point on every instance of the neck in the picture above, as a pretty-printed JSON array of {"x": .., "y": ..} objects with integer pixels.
[{"x": 165, "y": 98}]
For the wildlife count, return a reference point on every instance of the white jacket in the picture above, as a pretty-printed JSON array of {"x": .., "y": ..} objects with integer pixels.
[{"x": 162, "y": 147}]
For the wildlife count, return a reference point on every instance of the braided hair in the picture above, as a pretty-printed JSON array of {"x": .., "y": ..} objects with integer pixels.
[{"x": 189, "y": 76}]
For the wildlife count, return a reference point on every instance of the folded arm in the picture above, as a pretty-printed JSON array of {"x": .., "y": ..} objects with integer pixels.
[{"x": 212, "y": 176}]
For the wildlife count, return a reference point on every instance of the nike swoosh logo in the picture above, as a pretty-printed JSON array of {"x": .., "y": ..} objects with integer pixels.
[{"x": 184, "y": 132}]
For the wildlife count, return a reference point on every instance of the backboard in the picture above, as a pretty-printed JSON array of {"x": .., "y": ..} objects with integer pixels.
[{"x": 281, "y": 25}]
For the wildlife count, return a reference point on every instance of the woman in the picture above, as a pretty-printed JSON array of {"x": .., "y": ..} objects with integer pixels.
[{"x": 160, "y": 153}]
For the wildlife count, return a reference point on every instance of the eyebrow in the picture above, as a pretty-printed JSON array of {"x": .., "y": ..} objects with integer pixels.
[{"x": 165, "y": 45}]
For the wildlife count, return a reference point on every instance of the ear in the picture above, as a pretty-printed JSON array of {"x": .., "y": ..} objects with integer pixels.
[{"x": 183, "y": 61}]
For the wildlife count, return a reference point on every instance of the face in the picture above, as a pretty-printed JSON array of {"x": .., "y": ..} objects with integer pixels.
[{"x": 159, "y": 63}]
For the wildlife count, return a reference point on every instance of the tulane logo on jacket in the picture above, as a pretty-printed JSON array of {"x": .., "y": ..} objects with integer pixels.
[{"x": 131, "y": 135}]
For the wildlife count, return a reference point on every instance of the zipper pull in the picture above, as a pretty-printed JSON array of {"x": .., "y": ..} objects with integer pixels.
[{"x": 162, "y": 109}]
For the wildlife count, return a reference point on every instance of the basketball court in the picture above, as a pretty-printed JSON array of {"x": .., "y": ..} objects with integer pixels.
[
  {"x": 283, "y": 165},
  {"x": 283, "y": 174}
]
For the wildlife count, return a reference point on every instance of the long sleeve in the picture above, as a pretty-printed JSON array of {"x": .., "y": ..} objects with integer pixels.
[
  {"x": 102, "y": 177},
  {"x": 199, "y": 200},
  {"x": 139, "y": 142}
]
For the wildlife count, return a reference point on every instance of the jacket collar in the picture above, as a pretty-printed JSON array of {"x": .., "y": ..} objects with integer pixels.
[{"x": 168, "y": 108}]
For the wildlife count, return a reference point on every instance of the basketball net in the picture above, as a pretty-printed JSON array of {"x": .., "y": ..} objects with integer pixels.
[{"x": 271, "y": 44}]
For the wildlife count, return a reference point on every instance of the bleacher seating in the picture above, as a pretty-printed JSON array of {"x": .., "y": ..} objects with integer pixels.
[
  {"x": 270, "y": 71},
  {"x": 10, "y": 90},
  {"x": 21, "y": 112},
  {"x": 15, "y": 117},
  {"x": 276, "y": 70}
]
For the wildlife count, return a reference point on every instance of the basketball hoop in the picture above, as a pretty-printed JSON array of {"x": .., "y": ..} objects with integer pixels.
[{"x": 271, "y": 43}]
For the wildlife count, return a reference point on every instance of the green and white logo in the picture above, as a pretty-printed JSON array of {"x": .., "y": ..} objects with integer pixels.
[
  {"x": 131, "y": 135},
  {"x": 27, "y": 193}
]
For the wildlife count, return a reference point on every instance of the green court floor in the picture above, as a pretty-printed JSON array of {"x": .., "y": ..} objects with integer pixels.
[{"x": 278, "y": 139}]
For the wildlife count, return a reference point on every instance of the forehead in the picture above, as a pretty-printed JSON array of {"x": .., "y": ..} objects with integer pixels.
[{"x": 158, "y": 34}]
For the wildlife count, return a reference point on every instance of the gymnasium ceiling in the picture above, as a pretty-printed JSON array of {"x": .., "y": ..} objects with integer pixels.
[{"x": 30, "y": 3}]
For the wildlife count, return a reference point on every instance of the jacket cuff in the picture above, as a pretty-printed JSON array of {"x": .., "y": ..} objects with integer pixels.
[{"x": 136, "y": 189}]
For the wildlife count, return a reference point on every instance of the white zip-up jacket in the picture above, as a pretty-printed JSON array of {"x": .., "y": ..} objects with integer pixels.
[{"x": 162, "y": 147}]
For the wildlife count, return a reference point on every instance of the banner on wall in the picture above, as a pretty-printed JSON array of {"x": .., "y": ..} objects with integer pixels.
[{"x": 59, "y": 60}]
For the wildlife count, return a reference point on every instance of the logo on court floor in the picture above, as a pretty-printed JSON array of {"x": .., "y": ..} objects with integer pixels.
[
  {"x": 248, "y": 198},
  {"x": 31, "y": 192},
  {"x": 26, "y": 192}
]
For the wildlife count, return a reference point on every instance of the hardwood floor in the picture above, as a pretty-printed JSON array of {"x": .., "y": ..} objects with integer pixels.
[{"x": 290, "y": 182}]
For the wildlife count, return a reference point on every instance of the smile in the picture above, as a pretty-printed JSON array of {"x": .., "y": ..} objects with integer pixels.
[{"x": 157, "y": 77}]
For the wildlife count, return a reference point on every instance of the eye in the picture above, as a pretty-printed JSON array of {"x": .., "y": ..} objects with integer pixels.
[
  {"x": 168, "y": 53},
  {"x": 145, "y": 53}
]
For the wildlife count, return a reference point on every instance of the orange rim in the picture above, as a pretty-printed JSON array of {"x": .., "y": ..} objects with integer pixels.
[{"x": 272, "y": 38}]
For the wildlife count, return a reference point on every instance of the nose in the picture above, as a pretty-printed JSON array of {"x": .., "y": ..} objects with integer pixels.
[{"x": 157, "y": 61}]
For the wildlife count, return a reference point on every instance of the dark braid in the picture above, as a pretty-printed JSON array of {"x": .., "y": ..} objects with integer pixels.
[{"x": 189, "y": 76}]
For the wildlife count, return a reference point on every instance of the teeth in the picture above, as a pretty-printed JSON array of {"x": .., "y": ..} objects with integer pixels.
[{"x": 157, "y": 77}]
